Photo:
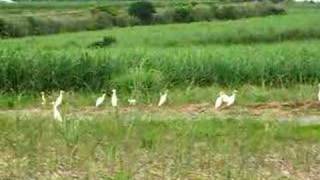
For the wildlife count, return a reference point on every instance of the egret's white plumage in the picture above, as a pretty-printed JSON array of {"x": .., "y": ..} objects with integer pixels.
[
  {"x": 132, "y": 102},
  {"x": 319, "y": 93},
  {"x": 163, "y": 98},
  {"x": 44, "y": 101},
  {"x": 114, "y": 99},
  {"x": 58, "y": 101},
  {"x": 230, "y": 100},
  {"x": 56, "y": 113},
  {"x": 100, "y": 100},
  {"x": 219, "y": 100}
]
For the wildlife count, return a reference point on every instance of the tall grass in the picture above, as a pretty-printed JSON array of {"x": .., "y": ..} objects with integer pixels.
[
  {"x": 147, "y": 59},
  {"x": 122, "y": 149},
  {"x": 149, "y": 69}
]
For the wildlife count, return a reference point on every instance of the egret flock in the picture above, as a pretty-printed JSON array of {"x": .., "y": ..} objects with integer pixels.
[{"x": 223, "y": 100}]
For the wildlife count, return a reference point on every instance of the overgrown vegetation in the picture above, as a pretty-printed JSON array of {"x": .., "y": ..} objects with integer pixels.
[
  {"x": 280, "y": 65},
  {"x": 106, "y": 16},
  {"x": 147, "y": 60},
  {"x": 143, "y": 10},
  {"x": 106, "y": 41},
  {"x": 185, "y": 139},
  {"x": 139, "y": 147},
  {"x": 236, "y": 11}
]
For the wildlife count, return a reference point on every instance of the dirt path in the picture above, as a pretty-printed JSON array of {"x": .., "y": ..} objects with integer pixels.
[{"x": 304, "y": 111}]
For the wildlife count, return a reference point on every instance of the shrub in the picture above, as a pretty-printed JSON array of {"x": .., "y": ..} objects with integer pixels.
[
  {"x": 3, "y": 31},
  {"x": 194, "y": 3},
  {"x": 113, "y": 11},
  {"x": 182, "y": 14},
  {"x": 17, "y": 28},
  {"x": 236, "y": 11},
  {"x": 35, "y": 25},
  {"x": 142, "y": 10},
  {"x": 103, "y": 20},
  {"x": 201, "y": 12},
  {"x": 165, "y": 16},
  {"x": 123, "y": 20},
  {"x": 277, "y": 10},
  {"x": 106, "y": 41},
  {"x": 70, "y": 24},
  {"x": 227, "y": 12}
]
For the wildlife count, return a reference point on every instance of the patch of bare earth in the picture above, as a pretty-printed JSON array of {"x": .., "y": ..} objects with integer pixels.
[{"x": 275, "y": 110}]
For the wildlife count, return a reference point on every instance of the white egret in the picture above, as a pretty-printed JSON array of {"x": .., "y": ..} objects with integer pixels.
[
  {"x": 163, "y": 98},
  {"x": 114, "y": 99},
  {"x": 58, "y": 101},
  {"x": 56, "y": 114},
  {"x": 44, "y": 101},
  {"x": 319, "y": 93},
  {"x": 100, "y": 100},
  {"x": 230, "y": 100},
  {"x": 132, "y": 102},
  {"x": 219, "y": 100}
]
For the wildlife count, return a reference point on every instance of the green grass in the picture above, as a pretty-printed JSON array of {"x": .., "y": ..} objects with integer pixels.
[
  {"x": 143, "y": 147},
  {"x": 247, "y": 95},
  {"x": 301, "y": 25},
  {"x": 152, "y": 69},
  {"x": 254, "y": 51},
  {"x": 267, "y": 59}
]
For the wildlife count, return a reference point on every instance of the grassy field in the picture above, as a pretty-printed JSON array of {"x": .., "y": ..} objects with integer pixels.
[
  {"x": 271, "y": 51},
  {"x": 271, "y": 132},
  {"x": 146, "y": 148}
]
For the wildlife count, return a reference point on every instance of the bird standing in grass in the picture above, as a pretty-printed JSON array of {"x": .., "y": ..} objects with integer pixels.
[
  {"x": 132, "y": 102},
  {"x": 44, "y": 101},
  {"x": 230, "y": 100},
  {"x": 100, "y": 100},
  {"x": 219, "y": 100},
  {"x": 56, "y": 113},
  {"x": 319, "y": 93},
  {"x": 58, "y": 101},
  {"x": 163, "y": 98},
  {"x": 114, "y": 99}
]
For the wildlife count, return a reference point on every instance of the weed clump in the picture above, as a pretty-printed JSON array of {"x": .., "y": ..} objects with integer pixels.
[{"x": 106, "y": 41}]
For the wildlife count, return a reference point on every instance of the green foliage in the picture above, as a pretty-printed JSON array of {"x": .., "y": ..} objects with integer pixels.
[
  {"x": 2, "y": 28},
  {"x": 123, "y": 20},
  {"x": 164, "y": 16},
  {"x": 93, "y": 70},
  {"x": 143, "y": 10},
  {"x": 106, "y": 16},
  {"x": 107, "y": 9},
  {"x": 202, "y": 13},
  {"x": 150, "y": 58},
  {"x": 236, "y": 11},
  {"x": 182, "y": 14},
  {"x": 103, "y": 20},
  {"x": 106, "y": 41},
  {"x": 139, "y": 81},
  {"x": 124, "y": 148}
]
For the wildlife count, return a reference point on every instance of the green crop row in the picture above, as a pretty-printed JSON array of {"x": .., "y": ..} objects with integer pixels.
[
  {"x": 151, "y": 69},
  {"x": 150, "y": 58}
]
